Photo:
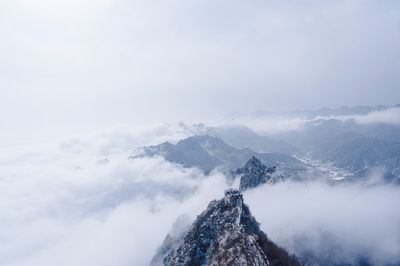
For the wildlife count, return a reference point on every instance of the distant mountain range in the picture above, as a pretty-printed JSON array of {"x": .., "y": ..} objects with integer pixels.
[
  {"x": 330, "y": 112},
  {"x": 208, "y": 153},
  {"x": 355, "y": 151},
  {"x": 243, "y": 137},
  {"x": 360, "y": 149}
]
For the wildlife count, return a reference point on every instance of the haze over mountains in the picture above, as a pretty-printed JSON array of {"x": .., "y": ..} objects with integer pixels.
[
  {"x": 332, "y": 146},
  {"x": 208, "y": 153},
  {"x": 120, "y": 191},
  {"x": 360, "y": 139},
  {"x": 138, "y": 132},
  {"x": 330, "y": 112},
  {"x": 340, "y": 144}
]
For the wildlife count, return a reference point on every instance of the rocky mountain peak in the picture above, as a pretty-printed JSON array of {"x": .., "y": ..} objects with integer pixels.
[
  {"x": 226, "y": 234},
  {"x": 255, "y": 173},
  {"x": 254, "y": 163}
]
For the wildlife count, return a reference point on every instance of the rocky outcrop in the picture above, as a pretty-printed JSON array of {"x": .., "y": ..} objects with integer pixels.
[
  {"x": 227, "y": 234},
  {"x": 255, "y": 173}
]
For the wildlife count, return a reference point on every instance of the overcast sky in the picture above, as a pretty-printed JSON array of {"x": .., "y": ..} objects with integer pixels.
[{"x": 84, "y": 63}]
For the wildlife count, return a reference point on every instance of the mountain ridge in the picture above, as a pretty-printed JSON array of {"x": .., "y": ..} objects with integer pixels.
[
  {"x": 226, "y": 233},
  {"x": 208, "y": 153}
]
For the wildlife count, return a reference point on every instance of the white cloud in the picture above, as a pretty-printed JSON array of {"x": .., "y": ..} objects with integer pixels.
[
  {"x": 118, "y": 213},
  {"x": 337, "y": 223},
  {"x": 389, "y": 116},
  {"x": 275, "y": 124},
  {"x": 59, "y": 202},
  {"x": 271, "y": 124}
]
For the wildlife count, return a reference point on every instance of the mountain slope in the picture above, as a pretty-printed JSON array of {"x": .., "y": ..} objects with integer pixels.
[
  {"x": 208, "y": 153},
  {"x": 227, "y": 234},
  {"x": 351, "y": 146},
  {"x": 243, "y": 137}
]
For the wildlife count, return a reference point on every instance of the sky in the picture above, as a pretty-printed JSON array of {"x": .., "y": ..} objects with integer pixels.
[
  {"x": 71, "y": 65},
  {"x": 96, "y": 71}
]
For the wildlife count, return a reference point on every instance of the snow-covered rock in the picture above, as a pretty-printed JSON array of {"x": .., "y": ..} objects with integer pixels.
[
  {"x": 227, "y": 234},
  {"x": 255, "y": 173}
]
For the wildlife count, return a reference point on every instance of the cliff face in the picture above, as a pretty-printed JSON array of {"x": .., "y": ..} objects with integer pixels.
[
  {"x": 227, "y": 234},
  {"x": 255, "y": 173}
]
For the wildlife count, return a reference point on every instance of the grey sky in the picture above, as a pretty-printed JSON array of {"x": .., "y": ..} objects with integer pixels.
[{"x": 87, "y": 63}]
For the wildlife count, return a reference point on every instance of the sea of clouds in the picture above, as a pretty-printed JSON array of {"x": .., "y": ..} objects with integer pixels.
[
  {"x": 82, "y": 201},
  {"x": 275, "y": 124}
]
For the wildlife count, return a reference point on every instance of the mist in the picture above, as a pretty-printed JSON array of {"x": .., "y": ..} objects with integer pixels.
[
  {"x": 83, "y": 202},
  {"x": 68, "y": 205},
  {"x": 86, "y": 84},
  {"x": 340, "y": 224},
  {"x": 278, "y": 123}
]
